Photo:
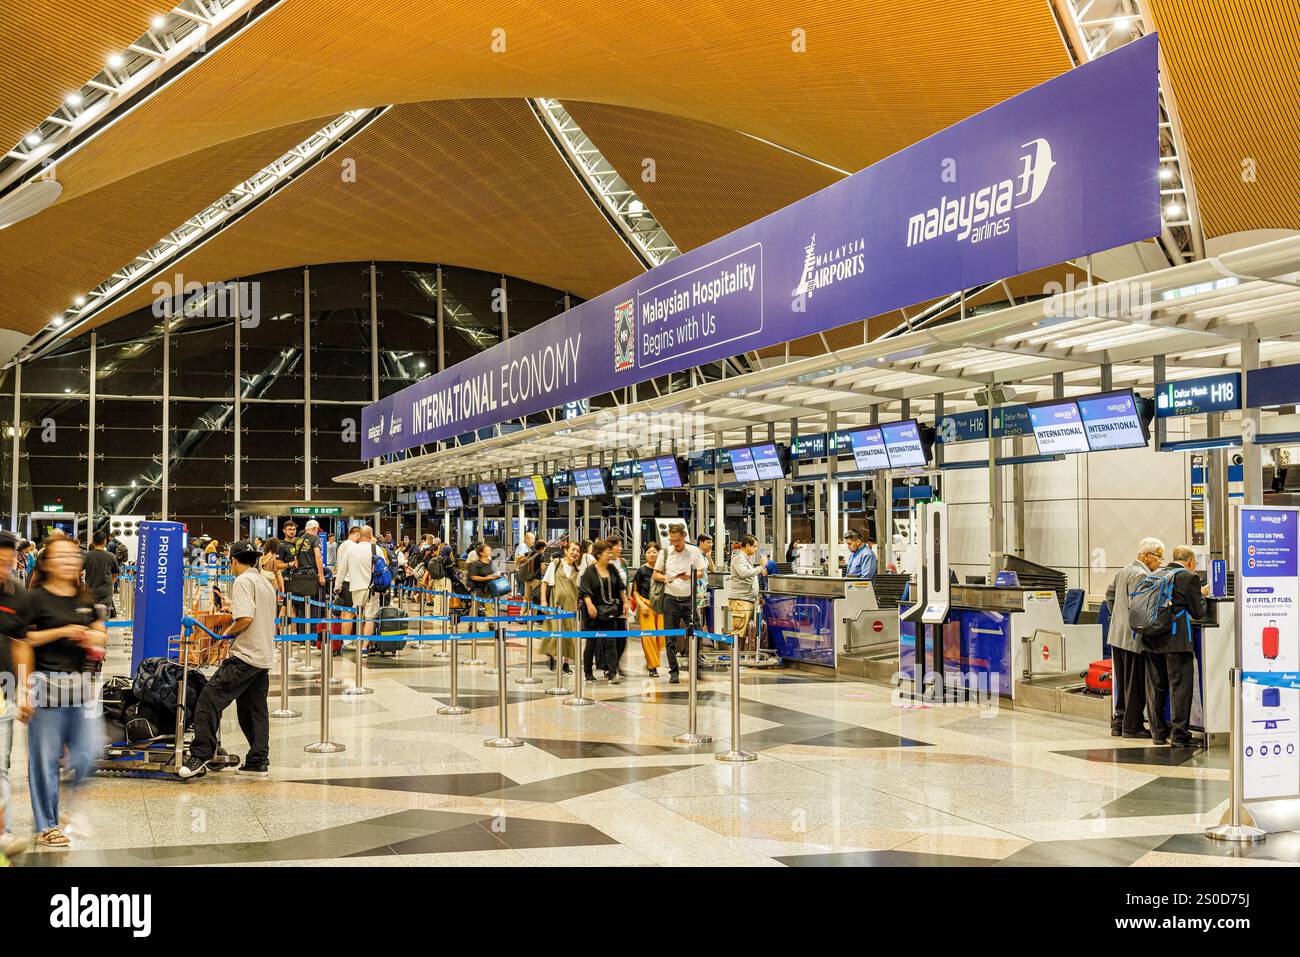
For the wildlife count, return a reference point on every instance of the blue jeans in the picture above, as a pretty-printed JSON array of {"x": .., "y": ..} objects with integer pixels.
[
  {"x": 77, "y": 728},
  {"x": 6, "y": 747}
]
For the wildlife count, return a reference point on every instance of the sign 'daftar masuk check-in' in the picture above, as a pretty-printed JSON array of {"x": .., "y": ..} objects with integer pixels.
[{"x": 1067, "y": 168}]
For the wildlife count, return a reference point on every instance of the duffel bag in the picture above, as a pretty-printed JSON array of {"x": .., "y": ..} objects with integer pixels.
[{"x": 158, "y": 682}]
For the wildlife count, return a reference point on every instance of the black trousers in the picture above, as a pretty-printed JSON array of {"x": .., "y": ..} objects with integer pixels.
[
  {"x": 1170, "y": 674},
  {"x": 678, "y": 613},
  {"x": 1129, "y": 694},
  {"x": 238, "y": 681}
]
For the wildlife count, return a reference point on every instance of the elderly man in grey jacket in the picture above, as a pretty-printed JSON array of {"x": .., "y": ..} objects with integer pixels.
[
  {"x": 742, "y": 587},
  {"x": 1128, "y": 676}
]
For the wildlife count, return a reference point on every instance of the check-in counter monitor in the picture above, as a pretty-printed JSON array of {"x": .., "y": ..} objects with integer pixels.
[{"x": 812, "y": 619}]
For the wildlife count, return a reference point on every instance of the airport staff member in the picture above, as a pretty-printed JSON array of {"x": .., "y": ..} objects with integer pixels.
[
  {"x": 244, "y": 677},
  {"x": 1170, "y": 663},
  {"x": 1128, "y": 678},
  {"x": 676, "y": 565},
  {"x": 862, "y": 561}
]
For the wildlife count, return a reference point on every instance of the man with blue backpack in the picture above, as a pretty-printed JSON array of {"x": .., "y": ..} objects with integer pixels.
[{"x": 1161, "y": 610}]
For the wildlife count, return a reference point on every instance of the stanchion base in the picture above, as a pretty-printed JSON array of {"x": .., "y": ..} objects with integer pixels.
[
  {"x": 1236, "y": 833},
  {"x": 528, "y": 680},
  {"x": 441, "y": 654},
  {"x": 576, "y": 702},
  {"x": 475, "y": 662},
  {"x": 453, "y": 709},
  {"x": 559, "y": 691},
  {"x": 735, "y": 757},
  {"x": 285, "y": 713},
  {"x": 305, "y": 670},
  {"x": 690, "y": 737},
  {"x": 324, "y": 747},
  {"x": 490, "y": 671},
  {"x": 355, "y": 691},
  {"x": 504, "y": 743},
  {"x": 335, "y": 681}
]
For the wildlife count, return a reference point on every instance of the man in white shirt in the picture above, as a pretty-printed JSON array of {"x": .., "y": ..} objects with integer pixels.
[
  {"x": 355, "y": 566},
  {"x": 243, "y": 678},
  {"x": 676, "y": 565}
]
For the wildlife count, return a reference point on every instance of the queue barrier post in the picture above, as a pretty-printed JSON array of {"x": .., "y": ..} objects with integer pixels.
[
  {"x": 444, "y": 607},
  {"x": 691, "y": 735},
  {"x": 529, "y": 678},
  {"x": 578, "y": 700},
  {"x": 358, "y": 687},
  {"x": 1235, "y": 829},
  {"x": 736, "y": 754},
  {"x": 497, "y": 659},
  {"x": 325, "y": 745},
  {"x": 284, "y": 711},
  {"x": 304, "y": 650},
  {"x": 476, "y": 609},
  {"x": 503, "y": 738},
  {"x": 454, "y": 706},
  {"x": 559, "y": 688}
]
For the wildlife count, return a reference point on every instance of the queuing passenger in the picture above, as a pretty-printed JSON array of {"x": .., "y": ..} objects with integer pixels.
[
  {"x": 1128, "y": 665},
  {"x": 243, "y": 678},
  {"x": 616, "y": 562},
  {"x": 742, "y": 589},
  {"x": 331, "y": 550},
  {"x": 15, "y": 667},
  {"x": 648, "y": 619},
  {"x": 588, "y": 559},
  {"x": 1170, "y": 661},
  {"x": 678, "y": 565},
  {"x": 862, "y": 558},
  {"x": 480, "y": 573},
  {"x": 356, "y": 564},
  {"x": 531, "y": 570},
  {"x": 67, "y": 637},
  {"x": 560, "y": 590},
  {"x": 102, "y": 570},
  {"x": 705, "y": 544},
  {"x": 604, "y": 599}
]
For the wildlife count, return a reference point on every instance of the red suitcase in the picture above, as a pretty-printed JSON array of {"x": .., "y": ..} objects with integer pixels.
[
  {"x": 1098, "y": 678},
  {"x": 1269, "y": 640},
  {"x": 336, "y": 627}
]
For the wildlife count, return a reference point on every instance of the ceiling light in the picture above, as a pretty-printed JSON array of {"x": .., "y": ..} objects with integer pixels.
[
  {"x": 1173, "y": 209},
  {"x": 32, "y": 139},
  {"x": 67, "y": 391},
  {"x": 1166, "y": 173},
  {"x": 158, "y": 21},
  {"x": 115, "y": 61},
  {"x": 56, "y": 321},
  {"x": 79, "y": 301},
  {"x": 636, "y": 207},
  {"x": 73, "y": 100}
]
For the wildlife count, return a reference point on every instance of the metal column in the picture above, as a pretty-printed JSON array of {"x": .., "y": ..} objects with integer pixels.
[
  {"x": 166, "y": 413},
  {"x": 832, "y": 500},
  {"x": 636, "y": 556},
  {"x": 306, "y": 383},
  {"x": 17, "y": 437},
  {"x": 442, "y": 353},
  {"x": 505, "y": 310},
  {"x": 374, "y": 355},
  {"x": 719, "y": 518},
  {"x": 239, "y": 412},
  {"x": 997, "y": 527},
  {"x": 90, "y": 458},
  {"x": 1253, "y": 485}
]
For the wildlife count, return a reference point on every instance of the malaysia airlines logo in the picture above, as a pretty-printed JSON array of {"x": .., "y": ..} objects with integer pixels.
[
  {"x": 624, "y": 336},
  {"x": 824, "y": 269},
  {"x": 985, "y": 213},
  {"x": 376, "y": 431}
]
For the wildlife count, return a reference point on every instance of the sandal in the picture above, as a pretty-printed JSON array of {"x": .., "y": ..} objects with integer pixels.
[{"x": 54, "y": 837}]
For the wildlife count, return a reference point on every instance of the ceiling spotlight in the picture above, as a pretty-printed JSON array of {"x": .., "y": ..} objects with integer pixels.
[
  {"x": 421, "y": 363},
  {"x": 1166, "y": 173},
  {"x": 158, "y": 21},
  {"x": 32, "y": 139},
  {"x": 67, "y": 391},
  {"x": 115, "y": 61},
  {"x": 1173, "y": 209},
  {"x": 74, "y": 100},
  {"x": 56, "y": 321},
  {"x": 79, "y": 301},
  {"x": 636, "y": 207}
]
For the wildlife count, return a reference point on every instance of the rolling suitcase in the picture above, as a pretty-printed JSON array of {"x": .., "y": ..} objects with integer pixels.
[
  {"x": 1098, "y": 677},
  {"x": 1270, "y": 640},
  {"x": 392, "y": 624}
]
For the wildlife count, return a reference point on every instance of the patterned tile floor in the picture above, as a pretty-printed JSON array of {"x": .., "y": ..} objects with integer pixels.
[{"x": 844, "y": 777}]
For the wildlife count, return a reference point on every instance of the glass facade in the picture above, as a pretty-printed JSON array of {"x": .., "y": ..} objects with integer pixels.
[{"x": 269, "y": 445}]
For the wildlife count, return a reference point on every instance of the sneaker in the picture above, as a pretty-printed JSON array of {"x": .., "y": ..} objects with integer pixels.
[
  {"x": 192, "y": 768},
  {"x": 615, "y": 679},
  {"x": 568, "y": 670},
  {"x": 254, "y": 771},
  {"x": 11, "y": 845},
  {"x": 673, "y": 679},
  {"x": 53, "y": 838},
  {"x": 653, "y": 672},
  {"x": 587, "y": 675}
]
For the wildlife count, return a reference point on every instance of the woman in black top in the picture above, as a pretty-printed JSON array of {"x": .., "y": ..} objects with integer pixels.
[
  {"x": 67, "y": 635},
  {"x": 479, "y": 571},
  {"x": 604, "y": 600}
]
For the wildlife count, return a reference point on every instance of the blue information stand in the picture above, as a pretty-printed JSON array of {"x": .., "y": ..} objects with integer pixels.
[{"x": 159, "y": 589}]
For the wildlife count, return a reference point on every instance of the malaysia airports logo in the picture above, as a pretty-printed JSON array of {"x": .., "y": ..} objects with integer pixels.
[
  {"x": 624, "y": 336},
  {"x": 830, "y": 266},
  {"x": 376, "y": 431},
  {"x": 395, "y": 426},
  {"x": 985, "y": 213}
]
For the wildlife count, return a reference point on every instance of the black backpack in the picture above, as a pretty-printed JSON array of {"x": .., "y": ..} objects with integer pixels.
[{"x": 157, "y": 683}]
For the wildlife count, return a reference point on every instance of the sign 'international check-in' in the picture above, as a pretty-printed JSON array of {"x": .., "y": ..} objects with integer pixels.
[{"x": 1067, "y": 168}]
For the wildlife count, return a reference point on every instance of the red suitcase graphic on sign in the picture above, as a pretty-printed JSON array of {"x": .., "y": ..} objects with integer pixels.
[{"x": 1269, "y": 640}]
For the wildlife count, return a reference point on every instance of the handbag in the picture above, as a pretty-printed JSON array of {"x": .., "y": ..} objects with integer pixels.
[
  {"x": 498, "y": 587},
  {"x": 657, "y": 597}
]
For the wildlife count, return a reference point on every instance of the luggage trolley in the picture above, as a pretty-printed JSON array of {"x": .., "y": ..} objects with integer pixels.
[{"x": 161, "y": 756}]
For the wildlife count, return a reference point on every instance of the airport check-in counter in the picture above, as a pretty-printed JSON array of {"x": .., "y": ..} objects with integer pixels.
[
  {"x": 995, "y": 636},
  {"x": 812, "y": 619},
  {"x": 1213, "y": 641}
]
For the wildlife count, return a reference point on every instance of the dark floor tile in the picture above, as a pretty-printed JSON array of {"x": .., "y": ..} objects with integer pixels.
[
  {"x": 462, "y": 785},
  {"x": 1165, "y": 796},
  {"x": 1275, "y": 847},
  {"x": 471, "y": 837},
  {"x": 598, "y": 749},
  {"x": 1089, "y": 852},
  {"x": 552, "y": 834},
  {"x": 863, "y": 738},
  {"x": 882, "y": 859},
  {"x": 580, "y": 783},
  {"x": 1154, "y": 756}
]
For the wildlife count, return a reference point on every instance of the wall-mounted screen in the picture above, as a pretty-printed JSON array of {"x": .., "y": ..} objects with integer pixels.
[
  {"x": 869, "y": 451},
  {"x": 767, "y": 462},
  {"x": 422, "y": 502},
  {"x": 588, "y": 482},
  {"x": 904, "y": 444},
  {"x": 1111, "y": 420},
  {"x": 533, "y": 488},
  {"x": 453, "y": 498},
  {"x": 650, "y": 475},
  {"x": 489, "y": 493},
  {"x": 1058, "y": 427},
  {"x": 670, "y": 475},
  {"x": 742, "y": 464}
]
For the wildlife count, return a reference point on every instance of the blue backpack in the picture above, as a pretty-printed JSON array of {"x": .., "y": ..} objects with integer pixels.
[
  {"x": 1151, "y": 605},
  {"x": 381, "y": 576}
]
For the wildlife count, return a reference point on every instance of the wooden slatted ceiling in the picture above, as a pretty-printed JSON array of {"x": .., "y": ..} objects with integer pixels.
[
  {"x": 46, "y": 261},
  {"x": 876, "y": 75},
  {"x": 473, "y": 183},
  {"x": 50, "y": 48},
  {"x": 707, "y": 181},
  {"x": 1235, "y": 69}
]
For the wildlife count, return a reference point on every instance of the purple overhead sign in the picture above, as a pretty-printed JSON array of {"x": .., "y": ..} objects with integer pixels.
[{"x": 1067, "y": 168}]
